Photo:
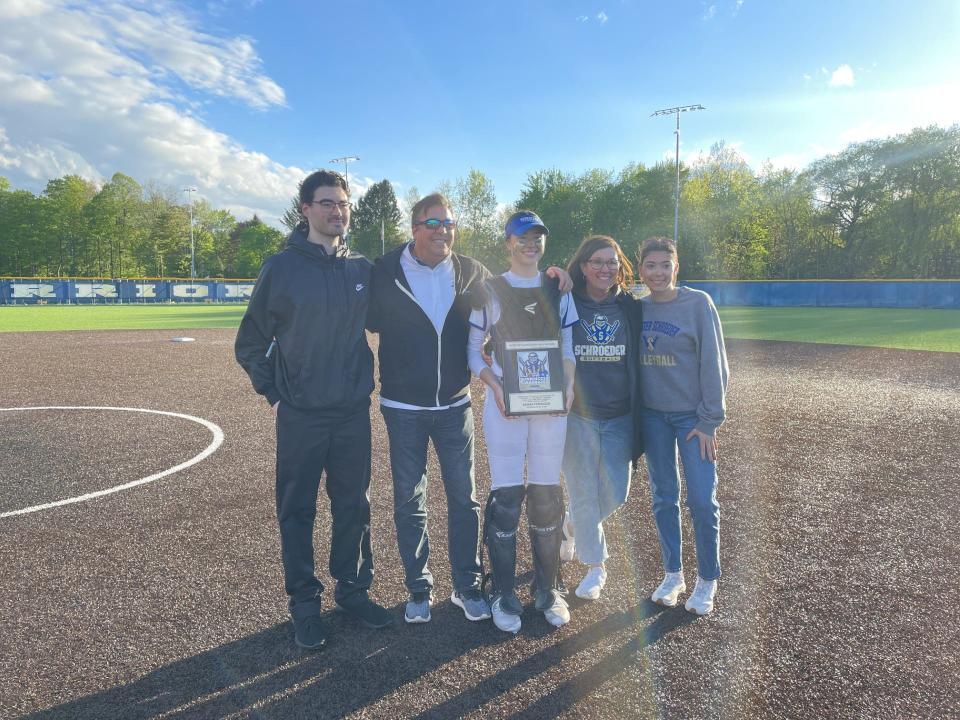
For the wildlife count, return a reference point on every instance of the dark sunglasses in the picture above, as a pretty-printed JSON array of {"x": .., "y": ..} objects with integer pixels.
[{"x": 435, "y": 224}]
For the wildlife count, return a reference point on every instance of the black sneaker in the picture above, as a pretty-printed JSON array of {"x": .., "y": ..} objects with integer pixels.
[
  {"x": 310, "y": 632},
  {"x": 368, "y": 612}
]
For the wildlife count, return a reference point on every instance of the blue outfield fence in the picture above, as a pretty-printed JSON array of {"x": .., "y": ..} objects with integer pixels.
[
  {"x": 769, "y": 293},
  {"x": 38, "y": 291},
  {"x": 833, "y": 293}
]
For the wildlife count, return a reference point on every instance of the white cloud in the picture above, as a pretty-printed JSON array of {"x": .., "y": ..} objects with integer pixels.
[
  {"x": 736, "y": 7},
  {"x": 788, "y": 161},
  {"x": 601, "y": 17},
  {"x": 20, "y": 8},
  {"x": 709, "y": 13},
  {"x": 842, "y": 76},
  {"x": 100, "y": 87}
]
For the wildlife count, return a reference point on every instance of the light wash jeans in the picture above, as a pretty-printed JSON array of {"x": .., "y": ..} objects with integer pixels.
[
  {"x": 663, "y": 435},
  {"x": 597, "y": 468}
]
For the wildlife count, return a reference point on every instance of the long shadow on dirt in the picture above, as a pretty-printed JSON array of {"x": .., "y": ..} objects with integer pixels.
[{"x": 263, "y": 676}]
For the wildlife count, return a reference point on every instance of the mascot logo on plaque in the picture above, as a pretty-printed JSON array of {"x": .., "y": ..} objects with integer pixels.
[{"x": 533, "y": 371}]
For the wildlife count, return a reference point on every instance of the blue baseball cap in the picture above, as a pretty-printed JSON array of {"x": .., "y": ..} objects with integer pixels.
[{"x": 523, "y": 221}]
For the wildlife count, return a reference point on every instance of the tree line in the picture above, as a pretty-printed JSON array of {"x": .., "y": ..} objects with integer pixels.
[{"x": 885, "y": 208}]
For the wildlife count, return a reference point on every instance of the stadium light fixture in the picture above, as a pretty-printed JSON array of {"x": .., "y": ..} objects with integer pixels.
[
  {"x": 346, "y": 161},
  {"x": 676, "y": 111}
]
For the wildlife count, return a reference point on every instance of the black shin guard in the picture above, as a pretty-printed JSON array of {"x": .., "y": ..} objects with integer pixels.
[
  {"x": 545, "y": 518},
  {"x": 501, "y": 520}
]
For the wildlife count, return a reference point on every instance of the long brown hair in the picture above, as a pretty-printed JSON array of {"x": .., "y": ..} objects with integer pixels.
[{"x": 587, "y": 248}]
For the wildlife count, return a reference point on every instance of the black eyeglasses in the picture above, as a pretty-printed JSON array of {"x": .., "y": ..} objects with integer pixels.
[
  {"x": 330, "y": 204},
  {"x": 435, "y": 224},
  {"x": 601, "y": 264}
]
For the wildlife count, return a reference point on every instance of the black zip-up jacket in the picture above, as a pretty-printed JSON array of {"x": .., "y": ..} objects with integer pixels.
[
  {"x": 302, "y": 337},
  {"x": 633, "y": 310},
  {"x": 416, "y": 366}
]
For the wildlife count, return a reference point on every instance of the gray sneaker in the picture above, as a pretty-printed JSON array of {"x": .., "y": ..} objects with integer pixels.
[
  {"x": 472, "y": 603},
  {"x": 418, "y": 608}
]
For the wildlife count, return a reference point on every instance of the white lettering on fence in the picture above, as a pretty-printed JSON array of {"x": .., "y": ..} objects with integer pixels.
[
  {"x": 238, "y": 291},
  {"x": 89, "y": 290},
  {"x": 191, "y": 291},
  {"x": 21, "y": 290}
]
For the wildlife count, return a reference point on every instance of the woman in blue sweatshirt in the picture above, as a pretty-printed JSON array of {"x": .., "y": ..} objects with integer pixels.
[{"x": 683, "y": 380}]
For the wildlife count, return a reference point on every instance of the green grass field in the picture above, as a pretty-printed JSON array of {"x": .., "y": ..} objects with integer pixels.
[
  {"x": 908, "y": 329},
  {"x": 874, "y": 327},
  {"x": 30, "y": 318}
]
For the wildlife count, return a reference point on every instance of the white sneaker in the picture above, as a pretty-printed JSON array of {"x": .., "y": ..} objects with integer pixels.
[
  {"x": 568, "y": 545},
  {"x": 669, "y": 590},
  {"x": 700, "y": 601},
  {"x": 506, "y": 621},
  {"x": 592, "y": 583},
  {"x": 557, "y": 614}
]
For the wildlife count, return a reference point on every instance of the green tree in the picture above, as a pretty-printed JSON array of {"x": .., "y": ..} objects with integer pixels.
[
  {"x": 790, "y": 215},
  {"x": 65, "y": 243},
  {"x": 112, "y": 217},
  {"x": 250, "y": 243},
  {"x": 636, "y": 205},
  {"x": 916, "y": 222},
  {"x": 566, "y": 205},
  {"x": 476, "y": 202},
  {"x": 212, "y": 228},
  {"x": 376, "y": 211},
  {"x": 850, "y": 186},
  {"x": 21, "y": 220},
  {"x": 723, "y": 219},
  {"x": 292, "y": 217},
  {"x": 410, "y": 198}
]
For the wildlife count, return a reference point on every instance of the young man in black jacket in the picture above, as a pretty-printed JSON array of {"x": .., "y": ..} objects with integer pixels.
[{"x": 302, "y": 343}]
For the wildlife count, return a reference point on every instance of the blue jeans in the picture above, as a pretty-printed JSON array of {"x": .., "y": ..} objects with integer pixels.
[
  {"x": 451, "y": 430},
  {"x": 664, "y": 433},
  {"x": 597, "y": 468}
]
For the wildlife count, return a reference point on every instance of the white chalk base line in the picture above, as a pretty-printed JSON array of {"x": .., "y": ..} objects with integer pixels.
[{"x": 207, "y": 452}]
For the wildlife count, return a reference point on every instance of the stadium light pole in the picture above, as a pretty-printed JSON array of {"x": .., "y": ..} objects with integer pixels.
[
  {"x": 193, "y": 267},
  {"x": 676, "y": 111},
  {"x": 346, "y": 161}
]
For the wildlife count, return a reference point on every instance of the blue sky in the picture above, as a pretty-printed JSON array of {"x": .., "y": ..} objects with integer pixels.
[{"x": 241, "y": 98}]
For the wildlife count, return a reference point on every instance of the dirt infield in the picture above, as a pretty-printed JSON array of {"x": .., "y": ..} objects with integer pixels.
[{"x": 839, "y": 542}]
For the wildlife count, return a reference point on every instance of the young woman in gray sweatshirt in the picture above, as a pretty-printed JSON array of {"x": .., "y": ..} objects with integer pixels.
[{"x": 683, "y": 378}]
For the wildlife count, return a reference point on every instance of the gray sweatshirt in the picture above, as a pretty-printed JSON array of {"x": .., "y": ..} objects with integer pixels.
[{"x": 683, "y": 363}]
